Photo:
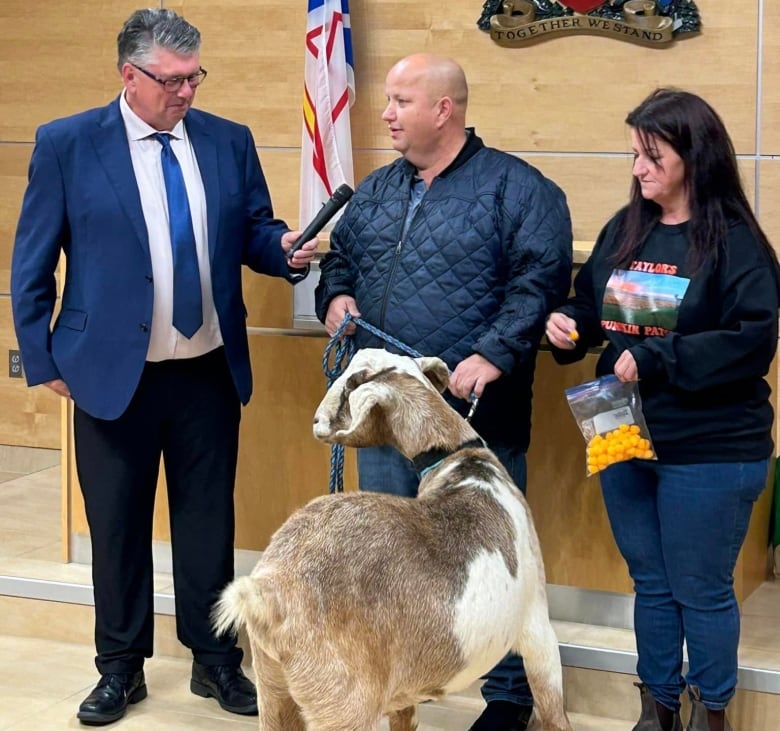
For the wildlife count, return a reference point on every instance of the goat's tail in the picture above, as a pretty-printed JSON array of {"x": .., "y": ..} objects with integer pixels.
[{"x": 242, "y": 602}]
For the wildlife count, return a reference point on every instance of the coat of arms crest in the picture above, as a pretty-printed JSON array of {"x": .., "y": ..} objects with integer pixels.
[{"x": 647, "y": 22}]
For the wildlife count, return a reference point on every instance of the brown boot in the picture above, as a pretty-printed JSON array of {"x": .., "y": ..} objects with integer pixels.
[
  {"x": 702, "y": 719},
  {"x": 649, "y": 719}
]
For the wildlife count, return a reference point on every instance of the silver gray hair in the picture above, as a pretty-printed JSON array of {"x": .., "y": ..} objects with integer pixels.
[{"x": 147, "y": 30}]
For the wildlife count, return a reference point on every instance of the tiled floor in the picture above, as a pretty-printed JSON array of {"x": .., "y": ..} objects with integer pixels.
[{"x": 42, "y": 681}]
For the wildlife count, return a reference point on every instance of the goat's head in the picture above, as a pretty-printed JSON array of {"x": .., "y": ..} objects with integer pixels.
[{"x": 378, "y": 397}]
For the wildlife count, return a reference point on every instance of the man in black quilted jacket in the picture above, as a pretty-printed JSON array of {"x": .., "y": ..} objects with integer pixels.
[{"x": 460, "y": 251}]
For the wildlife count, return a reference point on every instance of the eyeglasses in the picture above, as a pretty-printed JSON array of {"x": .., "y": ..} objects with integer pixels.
[{"x": 176, "y": 82}]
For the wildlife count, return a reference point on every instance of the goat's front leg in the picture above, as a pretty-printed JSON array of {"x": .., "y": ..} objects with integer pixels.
[{"x": 403, "y": 720}]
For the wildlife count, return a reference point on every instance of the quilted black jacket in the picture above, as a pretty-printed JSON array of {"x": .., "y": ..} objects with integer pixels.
[{"x": 487, "y": 256}]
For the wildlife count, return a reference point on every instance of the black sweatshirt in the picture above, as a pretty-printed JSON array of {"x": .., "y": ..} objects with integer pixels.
[{"x": 703, "y": 342}]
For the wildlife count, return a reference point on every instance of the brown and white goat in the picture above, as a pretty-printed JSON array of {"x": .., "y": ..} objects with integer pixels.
[{"x": 365, "y": 604}]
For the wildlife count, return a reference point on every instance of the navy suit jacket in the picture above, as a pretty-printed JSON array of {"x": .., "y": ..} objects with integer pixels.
[{"x": 82, "y": 199}]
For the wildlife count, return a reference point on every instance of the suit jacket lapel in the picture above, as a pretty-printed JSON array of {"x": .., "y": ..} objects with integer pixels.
[
  {"x": 113, "y": 151},
  {"x": 205, "y": 148}
]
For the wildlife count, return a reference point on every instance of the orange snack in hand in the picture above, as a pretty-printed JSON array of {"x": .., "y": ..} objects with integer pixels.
[{"x": 574, "y": 336}]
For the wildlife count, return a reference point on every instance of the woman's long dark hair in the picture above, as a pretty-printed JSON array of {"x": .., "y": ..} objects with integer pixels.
[{"x": 715, "y": 195}]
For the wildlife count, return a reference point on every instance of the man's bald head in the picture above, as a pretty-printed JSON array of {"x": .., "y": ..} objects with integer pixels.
[
  {"x": 426, "y": 111},
  {"x": 440, "y": 76}
]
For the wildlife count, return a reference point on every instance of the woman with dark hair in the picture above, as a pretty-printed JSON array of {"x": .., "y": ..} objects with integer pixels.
[{"x": 683, "y": 286}]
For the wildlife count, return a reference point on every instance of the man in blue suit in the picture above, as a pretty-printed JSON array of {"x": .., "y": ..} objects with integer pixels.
[{"x": 145, "y": 380}]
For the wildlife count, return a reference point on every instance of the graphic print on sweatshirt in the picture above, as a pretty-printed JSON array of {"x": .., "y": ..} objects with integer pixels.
[{"x": 643, "y": 300}]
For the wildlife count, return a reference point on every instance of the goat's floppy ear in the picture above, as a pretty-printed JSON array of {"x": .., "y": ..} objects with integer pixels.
[
  {"x": 436, "y": 371},
  {"x": 363, "y": 427}
]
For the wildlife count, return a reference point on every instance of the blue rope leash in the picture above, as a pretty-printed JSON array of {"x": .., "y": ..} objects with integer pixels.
[{"x": 341, "y": 348}]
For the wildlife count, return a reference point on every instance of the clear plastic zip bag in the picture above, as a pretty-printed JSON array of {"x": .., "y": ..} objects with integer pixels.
[{"x": 609, "y": 415}]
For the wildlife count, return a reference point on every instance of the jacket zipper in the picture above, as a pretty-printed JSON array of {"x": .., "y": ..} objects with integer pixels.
[{"x": 396, "y": 258}]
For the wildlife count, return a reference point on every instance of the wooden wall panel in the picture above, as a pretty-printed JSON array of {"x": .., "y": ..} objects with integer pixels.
[
  {"x": 751, "y": 569},
  {"x": 269, "y": 299},
  {"x": 254, "y": 55},
  {"x": 281, "y": 465},
  {"x": 560, "y": 104},
  {"x": 770, "y": 68},
  {"x": 56, "y": 59},
  {"x": 769, "y": 200},
  {"x": 30, "y": 416},
  {"x": 567, "y": 506},
  {"x": 282, "y": 168},
  {"x": 540, "y": 97},
  {"x": 13, "y": 179},
  {"x": 607, "y": 180}
]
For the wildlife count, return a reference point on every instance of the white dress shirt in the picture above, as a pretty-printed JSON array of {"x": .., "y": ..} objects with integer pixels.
[{"x": 145, "y": 151}]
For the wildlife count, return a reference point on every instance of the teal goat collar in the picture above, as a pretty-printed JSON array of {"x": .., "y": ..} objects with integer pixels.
[{"x": 425, "y": 462}]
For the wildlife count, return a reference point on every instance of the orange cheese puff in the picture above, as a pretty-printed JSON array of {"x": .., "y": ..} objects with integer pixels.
[{"x": 624, "y": 442}]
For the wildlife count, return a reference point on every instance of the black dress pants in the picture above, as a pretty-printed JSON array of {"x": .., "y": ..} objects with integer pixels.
[{"x": 188, "y": 411}]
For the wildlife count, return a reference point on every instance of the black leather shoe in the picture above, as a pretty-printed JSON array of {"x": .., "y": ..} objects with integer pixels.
[
  {"x": 503, "y": 716},
  {"x": 109, "y": 700},
  {"x": 228, "y": 684}
]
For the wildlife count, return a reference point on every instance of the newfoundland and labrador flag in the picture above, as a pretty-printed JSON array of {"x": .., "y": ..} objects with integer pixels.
[{"x": 329, "y": 92}]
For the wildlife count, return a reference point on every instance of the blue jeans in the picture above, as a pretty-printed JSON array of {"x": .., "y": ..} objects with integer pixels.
[
  {"x": 680, "y": 529},
  {"x": 384, "y": 469}
]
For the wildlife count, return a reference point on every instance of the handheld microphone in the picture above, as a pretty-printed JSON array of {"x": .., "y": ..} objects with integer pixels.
[{"x": 337, "y": 201}]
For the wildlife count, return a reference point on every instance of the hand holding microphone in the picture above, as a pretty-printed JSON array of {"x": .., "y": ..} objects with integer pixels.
[{"x": 333, "y": 205}]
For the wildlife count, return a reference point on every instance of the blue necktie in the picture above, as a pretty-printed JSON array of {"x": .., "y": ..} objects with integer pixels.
[{"x": 187, "y": 303}]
